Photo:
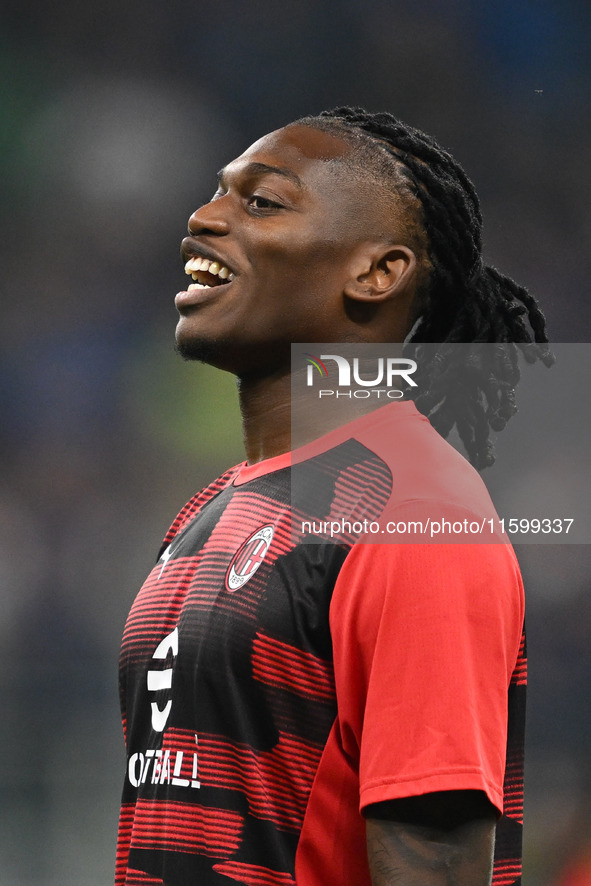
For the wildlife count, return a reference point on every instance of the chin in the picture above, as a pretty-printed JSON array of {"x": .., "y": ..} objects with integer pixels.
[
  {"x": 214, "y": 352},
  {"x": 200, "y": 350},
  {"x": 256, "y": 359}
]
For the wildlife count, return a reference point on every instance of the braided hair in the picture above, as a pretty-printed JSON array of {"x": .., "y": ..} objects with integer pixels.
[{"x": 462, "y": 299}]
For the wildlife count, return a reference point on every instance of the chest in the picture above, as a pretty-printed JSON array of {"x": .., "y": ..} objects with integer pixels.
[{"x": 233, "y": 619}]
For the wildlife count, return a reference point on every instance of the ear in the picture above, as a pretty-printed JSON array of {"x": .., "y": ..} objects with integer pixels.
[{"x": 381, "y": 274}]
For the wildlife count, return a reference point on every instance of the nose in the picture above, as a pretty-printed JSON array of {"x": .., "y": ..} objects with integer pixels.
[{"x": 209, "y": 219}]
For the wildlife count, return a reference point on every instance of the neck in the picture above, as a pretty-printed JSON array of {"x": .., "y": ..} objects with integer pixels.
[
  {"x": 272, "y": 409},
  {"x": 265, "y": 405}
]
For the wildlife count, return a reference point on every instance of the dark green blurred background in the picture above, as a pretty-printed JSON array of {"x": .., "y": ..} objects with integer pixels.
[{"x": 115, "y": 118}]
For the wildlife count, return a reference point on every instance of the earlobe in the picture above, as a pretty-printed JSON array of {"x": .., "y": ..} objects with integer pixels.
[{"x": 389, "y": 274}]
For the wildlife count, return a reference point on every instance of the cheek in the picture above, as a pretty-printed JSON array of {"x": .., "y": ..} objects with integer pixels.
[
  {"x": 316, "y": 260},
  {"x": 308, "y": 286}
]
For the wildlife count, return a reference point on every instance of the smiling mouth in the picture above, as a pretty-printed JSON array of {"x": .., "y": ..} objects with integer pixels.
[{"x": 207, "y": 273}]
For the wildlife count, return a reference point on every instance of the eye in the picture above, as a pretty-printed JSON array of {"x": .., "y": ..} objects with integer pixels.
[{"x": 256, "y": 201}]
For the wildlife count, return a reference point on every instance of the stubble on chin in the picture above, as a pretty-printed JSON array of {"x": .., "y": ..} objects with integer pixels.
[{"x": 198, "y": 350}]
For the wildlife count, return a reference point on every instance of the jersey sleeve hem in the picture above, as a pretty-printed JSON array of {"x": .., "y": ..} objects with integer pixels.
[{"x": 451, "y": 780}]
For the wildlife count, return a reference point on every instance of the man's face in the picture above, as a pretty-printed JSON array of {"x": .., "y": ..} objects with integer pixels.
[{"x": 281, "y": 229}]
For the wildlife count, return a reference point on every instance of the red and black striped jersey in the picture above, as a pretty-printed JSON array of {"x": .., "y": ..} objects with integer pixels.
[{"x": 274, "y": 684}]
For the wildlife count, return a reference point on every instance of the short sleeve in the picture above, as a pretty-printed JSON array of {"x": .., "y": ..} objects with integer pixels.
[{"x": 425, "y": 639}]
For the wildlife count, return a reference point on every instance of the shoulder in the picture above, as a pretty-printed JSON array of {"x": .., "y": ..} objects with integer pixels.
[{"x": 424, "y": 466}]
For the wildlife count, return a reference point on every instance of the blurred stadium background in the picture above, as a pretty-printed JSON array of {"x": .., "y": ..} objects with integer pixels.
[{"x": 115, "y": 118}]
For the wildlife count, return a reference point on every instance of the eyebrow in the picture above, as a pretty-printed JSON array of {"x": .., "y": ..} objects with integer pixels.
[{"x": 265, "y": 169}]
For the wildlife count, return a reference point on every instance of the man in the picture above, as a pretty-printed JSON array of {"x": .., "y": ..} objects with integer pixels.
[{"x": 333, "y": 713}]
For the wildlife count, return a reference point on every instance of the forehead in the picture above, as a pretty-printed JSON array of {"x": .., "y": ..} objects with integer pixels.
[
  {"x": 302, "y": 144},
  {"x": 309, "y": 154}
]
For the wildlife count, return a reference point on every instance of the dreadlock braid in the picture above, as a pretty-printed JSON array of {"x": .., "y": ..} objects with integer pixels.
[{"x": 465, "y": 301}]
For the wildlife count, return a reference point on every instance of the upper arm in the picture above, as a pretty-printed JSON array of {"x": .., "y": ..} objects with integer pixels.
[
  {"x": 425, "y": 642},
  {"x": 440, "y": 839}
]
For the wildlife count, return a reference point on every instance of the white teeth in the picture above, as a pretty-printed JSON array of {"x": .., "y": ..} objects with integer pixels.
[
  {"x": 198, "y": 286},
  {"x": 197, "y": 263}
]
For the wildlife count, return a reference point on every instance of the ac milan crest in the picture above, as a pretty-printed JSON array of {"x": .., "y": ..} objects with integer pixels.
[{"x": 248, "y": 558}]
